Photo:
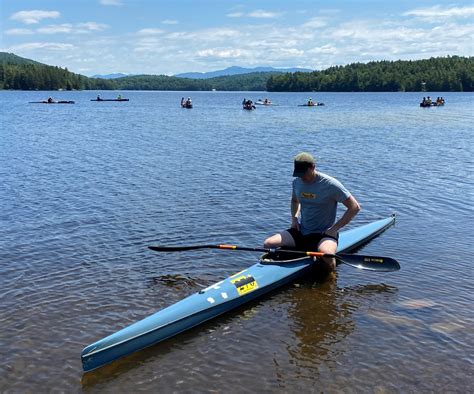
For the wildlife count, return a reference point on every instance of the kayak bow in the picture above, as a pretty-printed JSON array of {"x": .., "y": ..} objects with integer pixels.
[{"x": 221, "y": 297}]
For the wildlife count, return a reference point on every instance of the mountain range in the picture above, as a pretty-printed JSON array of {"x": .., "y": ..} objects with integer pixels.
[
  {"x": 234, "y": 70},
  {"x": 111, "y": 76}
]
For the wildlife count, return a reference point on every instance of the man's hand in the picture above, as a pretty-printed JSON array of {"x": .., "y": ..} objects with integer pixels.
[
  {"x": 295, "y": 223},
  {"x": 332, "y": 232}
]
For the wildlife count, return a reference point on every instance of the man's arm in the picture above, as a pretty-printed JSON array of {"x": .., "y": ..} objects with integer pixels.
[
  {"x": 353, "y": 209},
  {"x": 295, "y": 208}
]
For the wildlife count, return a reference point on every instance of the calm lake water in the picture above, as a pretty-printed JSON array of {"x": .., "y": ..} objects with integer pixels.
[{"x": 85, "y": 189}]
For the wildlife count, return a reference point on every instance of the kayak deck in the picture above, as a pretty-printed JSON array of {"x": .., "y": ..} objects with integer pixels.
[
  {"x": 124, "y": 99},
  {"x": 311, "y": 105},
  {"x": 221, "y": 297},
  {"x": 53, "y": 102}
]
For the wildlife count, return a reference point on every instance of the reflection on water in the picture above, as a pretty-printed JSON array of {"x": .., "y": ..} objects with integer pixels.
[
  {"x": 321, "y": 317},
  {"x": 178, "y": 282}
]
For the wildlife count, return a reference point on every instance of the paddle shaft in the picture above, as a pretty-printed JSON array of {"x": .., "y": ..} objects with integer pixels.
[{"x": 373, "y": 263}]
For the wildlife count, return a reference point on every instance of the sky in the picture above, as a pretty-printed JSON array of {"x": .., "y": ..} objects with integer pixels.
[{"x": 92, "y": 37}]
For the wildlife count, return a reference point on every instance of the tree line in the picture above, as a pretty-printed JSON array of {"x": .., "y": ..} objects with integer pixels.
[
  {"x": 42, "y": 77},
  {"x": 444, "y": 74},
  {"x": 249, "y": 82},
  {"x": 436, "y": 74}
]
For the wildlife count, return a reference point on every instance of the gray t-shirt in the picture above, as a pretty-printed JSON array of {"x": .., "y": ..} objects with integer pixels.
[{"x": 319, "y": 202}]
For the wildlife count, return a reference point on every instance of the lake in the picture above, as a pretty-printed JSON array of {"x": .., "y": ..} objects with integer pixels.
[{"x": 85, "y": 188}]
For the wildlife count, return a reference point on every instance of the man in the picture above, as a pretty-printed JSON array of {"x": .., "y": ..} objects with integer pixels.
[{"x": 314, "y": 201}]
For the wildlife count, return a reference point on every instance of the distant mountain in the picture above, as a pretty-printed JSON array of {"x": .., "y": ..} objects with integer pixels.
[
  {"x": 234, "y": 70},
  {"x": 111, "y": 76}
]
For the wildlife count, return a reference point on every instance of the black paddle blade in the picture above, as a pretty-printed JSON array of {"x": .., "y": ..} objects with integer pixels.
[
  {"x": 180, "y": 248},
  {"x": 371, "y": 263}
]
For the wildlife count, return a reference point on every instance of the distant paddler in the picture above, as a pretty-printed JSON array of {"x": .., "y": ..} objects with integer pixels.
[
  {"x": 266, "y": 101},
  {"x": 186, "y": 103}
]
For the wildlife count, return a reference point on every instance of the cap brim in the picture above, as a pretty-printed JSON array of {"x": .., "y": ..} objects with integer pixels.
[
  {"x": 300, "y": 168},
  {"x": 299, "y": 173}
]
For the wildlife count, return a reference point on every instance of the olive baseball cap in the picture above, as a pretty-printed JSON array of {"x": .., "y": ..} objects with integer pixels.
[{"x": 303, "y": 161}]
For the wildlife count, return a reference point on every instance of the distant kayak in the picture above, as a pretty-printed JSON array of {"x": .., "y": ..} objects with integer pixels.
[
  {"x": 186, "y": 106},
  {"x": 268, "y": 104},
  {"x": 424, "y": 105},
  {"x": 311, "y": 105},
  {"x": 52, "y": 102},
  {"x": 117, "y": 99}
]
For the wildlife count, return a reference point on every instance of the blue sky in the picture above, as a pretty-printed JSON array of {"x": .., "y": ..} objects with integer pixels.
[{"x": 169, "y": 37}]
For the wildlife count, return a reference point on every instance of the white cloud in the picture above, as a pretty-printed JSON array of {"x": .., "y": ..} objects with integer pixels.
[
  {"x": 19, "y": 32},
  {"x": 79, "y": 28},
  {"x": 291, "y": 52},
  {"x": 263, "y": 14},
  {"x": 218, "y": 34},
  {"x": 254, "y": 14},
  {"x": 235, "y": 14},
  {"x": 315, "y": 23},
  {"x": 169, "y": 22},
  {"x": 34, "y": 16},
  {"x": 327, "y": 49},
  {"x": 150, "y": 31},
  {"x": 91, "y": 26},
  {"x": 111, "y": 2},
  {"x": 180, "y": 35},
  {"x": 220, "y": 53},
  {"x": 437, "y": 13},
  {"x": 53, "y": 29},
  {"x": 29, "y": 46}
]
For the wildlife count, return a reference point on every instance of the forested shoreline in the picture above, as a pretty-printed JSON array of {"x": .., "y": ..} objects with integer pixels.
[
  {"x": 449, "y": 74},
  {"x": 452, "y": 73}
]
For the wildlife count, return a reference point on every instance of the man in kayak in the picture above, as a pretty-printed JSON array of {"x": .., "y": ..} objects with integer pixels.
[{"x": 314, "y": 200}]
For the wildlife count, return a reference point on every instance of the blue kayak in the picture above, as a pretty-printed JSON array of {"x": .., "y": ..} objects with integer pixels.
[{"x": 221, "y": 297}]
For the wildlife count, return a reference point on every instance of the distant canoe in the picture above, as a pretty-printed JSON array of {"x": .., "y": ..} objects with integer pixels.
[
  {"x": 52, "y": 102},
  {"x": 121, "y": 99},
  {"x": 268, "y": 104},
  {"x": 311, "y": 105},
  {"x": 189, "y": 106}
]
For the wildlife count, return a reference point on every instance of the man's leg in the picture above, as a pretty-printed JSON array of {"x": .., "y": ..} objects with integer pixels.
[
  {"x": 328, "y": 245},
  {"x": 283, "y": 239}
]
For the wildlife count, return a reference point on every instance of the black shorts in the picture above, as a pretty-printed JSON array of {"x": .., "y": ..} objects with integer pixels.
[{"x": 309, "y": 242}]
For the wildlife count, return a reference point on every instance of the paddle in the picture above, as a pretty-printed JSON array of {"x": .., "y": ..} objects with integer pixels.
[{"x": 371, "y": 263}]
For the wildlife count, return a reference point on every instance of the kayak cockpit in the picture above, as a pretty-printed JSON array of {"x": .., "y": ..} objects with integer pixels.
[{"x": 279, "y": 257}]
